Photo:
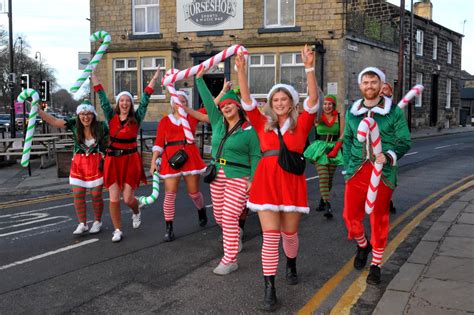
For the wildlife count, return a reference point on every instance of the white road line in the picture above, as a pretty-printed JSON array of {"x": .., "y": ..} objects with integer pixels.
[
  {"x": 33, "y": 222},
  {"x": 34, "y": 228},
  {"x": 411, "y": 153},
  {"x": 311, "y": 178},
  {"x": 54, "y": 252},
  {"x": 446, "y": 146}
]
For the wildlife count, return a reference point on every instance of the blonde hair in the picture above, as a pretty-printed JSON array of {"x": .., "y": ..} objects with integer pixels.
[{"x": 272, "y": 122}]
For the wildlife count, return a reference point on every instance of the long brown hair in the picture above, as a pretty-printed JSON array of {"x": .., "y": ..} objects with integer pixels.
[
  {"x": 273, "y": 123},
  {"x": 81, "y": 137}
]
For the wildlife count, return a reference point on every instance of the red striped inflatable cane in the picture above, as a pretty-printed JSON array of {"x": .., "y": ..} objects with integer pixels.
[
  {"x": 415, "y": 91},
  {"x": 368, "y": 127}
]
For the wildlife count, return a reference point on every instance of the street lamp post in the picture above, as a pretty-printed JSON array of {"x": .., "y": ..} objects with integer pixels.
[
  {"x": 40, "y": 77},
  {"x": 12, "y": 86}
]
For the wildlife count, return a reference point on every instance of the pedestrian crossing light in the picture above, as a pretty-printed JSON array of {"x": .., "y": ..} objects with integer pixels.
[
  {"x": 44, "y": 91},
  {"x": 25, "y": 81}
]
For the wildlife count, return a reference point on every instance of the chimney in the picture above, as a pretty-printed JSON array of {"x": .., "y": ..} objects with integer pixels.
[{"x": 424, "y": 8}]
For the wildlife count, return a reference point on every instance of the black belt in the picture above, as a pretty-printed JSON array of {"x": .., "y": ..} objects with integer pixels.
[
  {"x": 327, "y": 138},
  {"x": 271, "y": 153},
  {"x": 120, "y": 152},
  {"x": 222, "y": 161},
  {"x": 183, "y": 142},
  {"x": 121, "y": 140}
]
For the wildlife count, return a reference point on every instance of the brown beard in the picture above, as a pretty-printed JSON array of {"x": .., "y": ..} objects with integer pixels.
[{"x": 375, "y": 95}]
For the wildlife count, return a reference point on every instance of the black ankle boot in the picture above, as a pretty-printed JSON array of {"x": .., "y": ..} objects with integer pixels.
[
  {"x": 169, "y": 235},
  {"x": 270, "y": 299},
  {"x": 291, "y": 275},
  {"x": 328, "y": 213},
  {"x": 202, "y": 217},
  {"x": 321, "y": 205}
]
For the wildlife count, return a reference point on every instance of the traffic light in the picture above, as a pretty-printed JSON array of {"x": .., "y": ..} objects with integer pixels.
[
  {"x": 25, "y": 81},
  {"x": 44, "y": 91}
]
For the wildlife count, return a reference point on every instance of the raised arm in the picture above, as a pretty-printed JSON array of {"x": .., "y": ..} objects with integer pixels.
[
  {"x": 307, "y": 55},
  {"x": 196, "y": 114},
  {"x": 225, "y": 88},
  {"x": 241, "y": 65},
  {"x": 104, "y": 101},
  {"x": 209, "y": 103},
  {"x": 51, "y": 120},
  {"x": 145, "y": 99}
]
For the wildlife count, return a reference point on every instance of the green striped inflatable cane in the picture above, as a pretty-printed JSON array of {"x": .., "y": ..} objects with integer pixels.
[
  {"x": 143, "y": 200},
  {"x": 95, "y": 61},
  {"x": 25, "y": 158}
]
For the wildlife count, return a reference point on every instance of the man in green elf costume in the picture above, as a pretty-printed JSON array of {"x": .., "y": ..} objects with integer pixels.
[{"x": 359, "y": 163}]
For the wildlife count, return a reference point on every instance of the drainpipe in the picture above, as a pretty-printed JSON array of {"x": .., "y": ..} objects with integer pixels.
[{"x": 319, "y": 47}]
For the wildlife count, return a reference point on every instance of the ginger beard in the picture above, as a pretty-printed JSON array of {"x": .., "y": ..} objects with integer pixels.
[{"x": 370, "y": 86}]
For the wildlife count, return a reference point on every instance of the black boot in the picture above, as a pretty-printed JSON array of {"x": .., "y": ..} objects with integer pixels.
[
  {"x": 169, "y": 235},
  {"x": 321, "y": 205},
  {"x": 360, "y": 259},
  {"x": 202, "y": 217},
  {"x": 291, "y": 275},
  {"x": 392, "y": 208},
  {"x": 374, "y": 275},
  {"x": 328, "y": 213},
  {"x": 270, "y": 299}
]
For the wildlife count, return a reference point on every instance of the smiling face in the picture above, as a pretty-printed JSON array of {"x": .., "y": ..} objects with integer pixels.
[
  {"x": 229, "y": 110},
  {"x": 124, "y": 104},
  {"x": 386, "y": 90},
  {"x": 86, "y": 118},
  {"x": 328, "y": 107},
  {"x": 281, "y": 103},
  {"x": 370, "y": 86}
]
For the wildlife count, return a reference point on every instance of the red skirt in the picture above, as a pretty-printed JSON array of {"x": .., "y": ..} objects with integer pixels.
[
  {"x": 125, "y": 169},
  {"x": 194, "y": 164},
  {"x": 85, "y": 171},
  {"x": 275, "y": 189}
]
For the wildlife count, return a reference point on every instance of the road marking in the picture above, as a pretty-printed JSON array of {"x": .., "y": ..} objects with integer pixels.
[
  {"x": 33, "y": 222},
  {"x": 54, "y": 252},
  {"x": 25, "y": 202},
  {"x": 35, "y": 228},
  {"x": 446, "y": 146},
  {"x": 311, "y": 178},
  {"x": 334, "y": 281},
  {"x": 355, "y": 291},
  {"x": 411, "y": 153}
]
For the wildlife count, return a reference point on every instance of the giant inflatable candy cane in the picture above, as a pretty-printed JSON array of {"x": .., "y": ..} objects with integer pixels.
[
  {"x": 368, "y": 126},
  {"x": 93, "y": 63},
  {"x": 25, "y": 158},
  {"x": 174, "y": 75},
  {"x": 143, "y": 200},
  {"x": 415, "y": 91}
]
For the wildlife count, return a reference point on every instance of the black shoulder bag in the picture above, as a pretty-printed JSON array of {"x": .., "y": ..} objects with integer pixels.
[
  {"x": 178, "y": 159},
  {"x": 211, "y": 170},
  {"x": 291, "y": 161}
]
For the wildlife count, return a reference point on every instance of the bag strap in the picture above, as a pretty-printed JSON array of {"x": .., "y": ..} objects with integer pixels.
[
  {"x": 282, "y": 143},
  {"x": 221, "y": 145}
]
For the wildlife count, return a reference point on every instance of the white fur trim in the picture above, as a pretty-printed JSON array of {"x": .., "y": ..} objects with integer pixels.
[
  {"x": 276, "y": 208},
  {"x": 286, "y": 126},
  {"x": 85, "y": 108},
  {"x": 86, "y": 184},
  {"x": 371, "y": 69},
  {"x": 174, "y": 120},
  {"x": 157, "y": 148},
  {"x": 294, "y": 94},
  {"x": 358, "y": 110},
  {"x": 193, "y": 172},
  {"x": 394, "y": 157},
  {"x": 186, "y": 96},
  {"x": 124, "y": 93},
  {"x": 249, "y": 107},
  {"x": 310, "y": 110}
]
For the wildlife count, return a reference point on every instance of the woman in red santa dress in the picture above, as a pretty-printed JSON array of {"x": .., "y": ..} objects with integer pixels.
[
  {"x": 170, "y": 138},
  {"x": 279, "y": 196},
  {"x": 123, "y": 169}
]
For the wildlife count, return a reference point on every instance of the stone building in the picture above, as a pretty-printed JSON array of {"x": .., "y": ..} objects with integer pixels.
[{"x": 347, "y": 36}]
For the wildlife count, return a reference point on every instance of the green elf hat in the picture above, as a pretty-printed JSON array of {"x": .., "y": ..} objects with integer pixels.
[
  {"x": 331, "y": 98},
  {"x": 230, "y": 97}
]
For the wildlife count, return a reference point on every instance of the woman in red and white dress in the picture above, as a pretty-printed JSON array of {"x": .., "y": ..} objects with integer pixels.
[
  {"x": 169, "y": 139},
  {"x": 279, "y": 197}
]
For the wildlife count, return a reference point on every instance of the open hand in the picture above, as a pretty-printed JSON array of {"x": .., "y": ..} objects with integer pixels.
[
  {"x": 240, "y": 62},
  {"x": 307, "y": 55},
  {"x": 201, "y": 72}
]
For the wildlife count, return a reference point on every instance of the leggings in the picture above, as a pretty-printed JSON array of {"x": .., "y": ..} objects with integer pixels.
[
  {"x": 79, "y": 194},
  {"x": 326, "y": 174}
]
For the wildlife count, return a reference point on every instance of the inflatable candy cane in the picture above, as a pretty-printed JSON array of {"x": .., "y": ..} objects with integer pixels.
[
  {"x": 95, "y": 61},
  {"x": 174, "y": 75},
  {"x": 25, "y": 158},
  {"x": 368, "y": 126},
  {"x": 143, "y": 200},
  {"x": 415, "y": 91}
]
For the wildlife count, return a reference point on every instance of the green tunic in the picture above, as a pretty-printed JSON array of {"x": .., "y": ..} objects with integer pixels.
[
  {"x": 71, "y": 124},
  {"x": 318, "y": 150},
  {"x": 109, "y": 111},
  {"x": 241, "y": 147},
  {"x": 393, "y": 132}
]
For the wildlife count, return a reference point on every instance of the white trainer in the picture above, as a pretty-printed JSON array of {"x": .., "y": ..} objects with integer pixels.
[
  {"x": 81, "y": 228},
  {"x": 117, "y": 236},
  {"x": 136, "y": 220},
  {"x": 223, "y": 269},
  {"x": 95, "y": 228}
]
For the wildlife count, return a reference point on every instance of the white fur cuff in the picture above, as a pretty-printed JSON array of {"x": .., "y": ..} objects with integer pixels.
[
  {"x": 248, "y": 107},
  {"x": 157, "y": 148},
  {"x": 310, "y": 110},
  {"x": 394, "y": 157}
]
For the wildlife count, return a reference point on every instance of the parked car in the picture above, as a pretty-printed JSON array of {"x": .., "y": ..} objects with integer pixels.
[
  {"x": 19, "y": 120},
  {"x": 5, "y": 121}
]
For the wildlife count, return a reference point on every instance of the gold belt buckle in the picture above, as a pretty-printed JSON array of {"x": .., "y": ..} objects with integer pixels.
[{"x": 222, "y": 161}]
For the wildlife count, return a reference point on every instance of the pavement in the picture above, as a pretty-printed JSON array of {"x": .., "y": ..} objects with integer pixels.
[{"x": 438, "y": 277}]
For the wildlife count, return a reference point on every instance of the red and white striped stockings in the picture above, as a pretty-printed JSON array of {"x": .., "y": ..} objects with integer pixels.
[
  {"x": 270, "y": 249},
  {"x": 377, "y": 253}
]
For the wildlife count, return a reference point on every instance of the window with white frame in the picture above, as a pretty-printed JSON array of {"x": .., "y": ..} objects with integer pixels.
[
  {"x": 149, "y": 65},
  {"x": 146, "y": 16},
  {"x": 419, "y": 42},
  {"x": 279, "y": 13},
  {"x": 261, "y": 73},
  {"x": 449, "y": 48},
  {"x": 435, "y": 47},
  {"x": 125, "y": 76},
  {"x": 292, "y": 71},
  {"x": 448, "y": 93},
  {"x": 418, "y": 99}
]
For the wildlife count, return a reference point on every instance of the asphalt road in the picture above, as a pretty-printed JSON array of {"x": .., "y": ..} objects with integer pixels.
[{"x": 45, "y": 269}]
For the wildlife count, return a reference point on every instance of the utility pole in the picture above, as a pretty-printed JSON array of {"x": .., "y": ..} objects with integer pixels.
[
  {"x": 12, "y": 71},
  {"x": 401, "y": 50},
  {"x": 410, "y": 78}
]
